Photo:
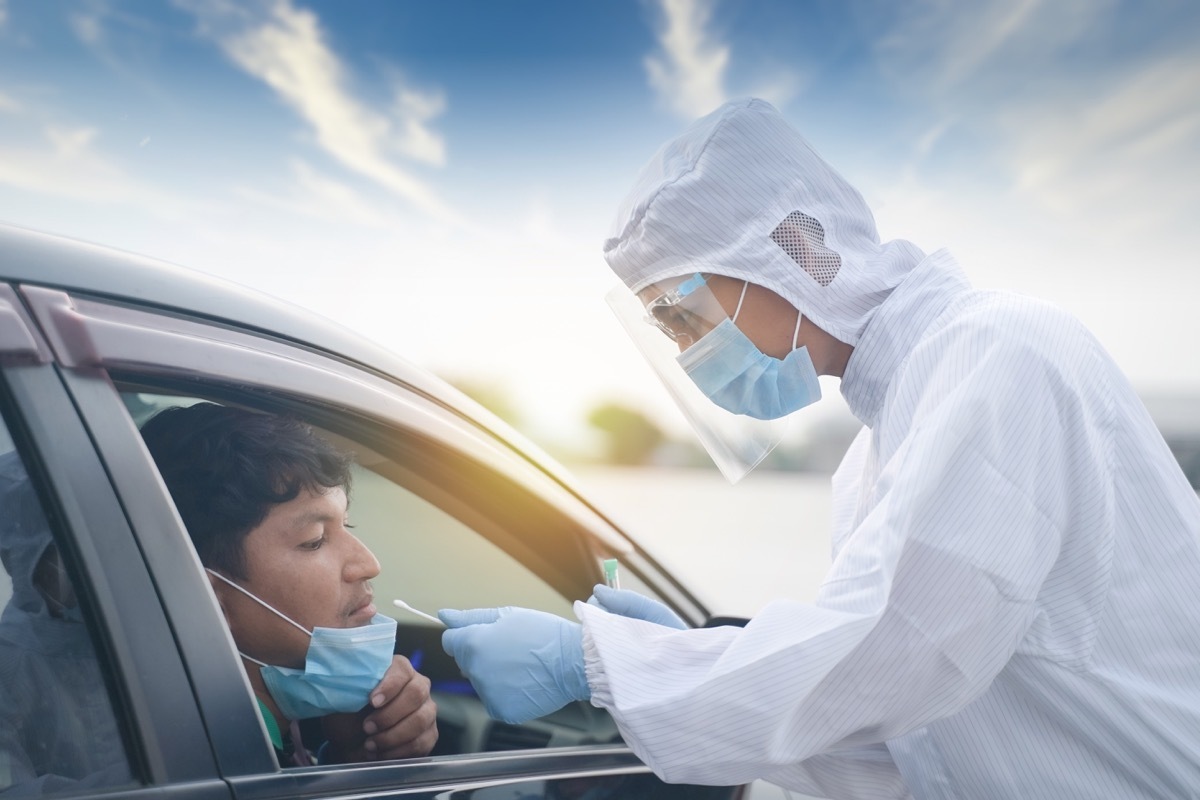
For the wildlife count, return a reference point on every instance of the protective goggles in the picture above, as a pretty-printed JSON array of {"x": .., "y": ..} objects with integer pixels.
[{"x": 684, "y": 312}]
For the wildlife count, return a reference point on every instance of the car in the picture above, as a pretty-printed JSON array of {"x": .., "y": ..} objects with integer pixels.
[{"x": 460, "y": 511}]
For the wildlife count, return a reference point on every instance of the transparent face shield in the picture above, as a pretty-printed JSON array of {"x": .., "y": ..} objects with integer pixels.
[{"x": 665, "y": 319}]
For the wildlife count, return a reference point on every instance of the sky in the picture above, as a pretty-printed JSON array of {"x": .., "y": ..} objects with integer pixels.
[{"x": 440, "y": 176}]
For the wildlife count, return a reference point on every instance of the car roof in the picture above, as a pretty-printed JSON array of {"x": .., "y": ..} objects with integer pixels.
[{"x": 28, "y": 256}]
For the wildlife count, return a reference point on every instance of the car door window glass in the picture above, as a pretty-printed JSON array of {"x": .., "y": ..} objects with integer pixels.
[
  {"x": 58, "y": 731},
  {"x": 432, "y": 559}
]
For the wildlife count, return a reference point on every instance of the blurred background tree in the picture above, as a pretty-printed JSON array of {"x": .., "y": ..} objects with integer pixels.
[
  {"x": 632, "y": 437},
  {"x": 491, "y": 396}
]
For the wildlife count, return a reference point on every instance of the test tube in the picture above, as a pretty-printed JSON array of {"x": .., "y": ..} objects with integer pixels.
[{"x": 611, "y": 579}]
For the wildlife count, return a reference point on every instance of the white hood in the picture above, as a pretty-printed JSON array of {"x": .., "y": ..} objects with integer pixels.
[{"x": 740, "y": 193}]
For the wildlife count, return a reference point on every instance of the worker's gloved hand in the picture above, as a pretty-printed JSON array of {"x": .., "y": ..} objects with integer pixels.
[
  {"x": 638, "y": 606},
  {"x": 522, "y": 663}
]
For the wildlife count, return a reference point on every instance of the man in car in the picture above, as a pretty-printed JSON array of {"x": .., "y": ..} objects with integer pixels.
[{"x": 265, "y": 502}]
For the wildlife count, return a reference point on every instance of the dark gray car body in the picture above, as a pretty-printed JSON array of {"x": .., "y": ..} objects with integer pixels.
[{"x": 80, "y": 325}]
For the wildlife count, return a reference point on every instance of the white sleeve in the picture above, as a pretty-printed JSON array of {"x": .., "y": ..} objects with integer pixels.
[
  {"x": 923, "y": 606},
  {"x": 866, "y": 771}
]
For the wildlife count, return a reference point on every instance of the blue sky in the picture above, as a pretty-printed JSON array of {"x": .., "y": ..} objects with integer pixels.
[{"x": 440, "y": 175}]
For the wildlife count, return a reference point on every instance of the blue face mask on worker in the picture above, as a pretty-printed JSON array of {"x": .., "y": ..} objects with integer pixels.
[
  {"x": 341, "y": 668},
  {"x": 738, "y": 377}
]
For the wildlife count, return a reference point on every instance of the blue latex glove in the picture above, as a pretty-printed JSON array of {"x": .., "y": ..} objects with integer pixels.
[
  {"x": 522, "y": 663},
  {"x": 631, "y": 604}
]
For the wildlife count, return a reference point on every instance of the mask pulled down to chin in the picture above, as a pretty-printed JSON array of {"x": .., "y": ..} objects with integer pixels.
[
  {"x": 341, "y": 669},
  {"x": 342, "y": 666}
]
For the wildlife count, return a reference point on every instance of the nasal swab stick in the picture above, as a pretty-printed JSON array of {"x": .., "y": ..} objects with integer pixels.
[{"x": 401, "y": 604}]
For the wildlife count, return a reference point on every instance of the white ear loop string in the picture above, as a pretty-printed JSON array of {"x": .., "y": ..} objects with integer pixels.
[
  {"x": 738, "y": 310},
  {"x": 262, "y": 603},
  {"x": 742, "y": 299}
]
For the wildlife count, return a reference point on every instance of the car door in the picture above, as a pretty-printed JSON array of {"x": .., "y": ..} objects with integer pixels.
[
  {"x": 460, "y": 517},
  {"x": 94, "y": 696}
]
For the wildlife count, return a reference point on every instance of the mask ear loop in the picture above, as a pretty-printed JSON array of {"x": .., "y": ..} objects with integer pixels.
[
  {"x": 262, "y": 603},
  {"x": 738, "y": 310}
]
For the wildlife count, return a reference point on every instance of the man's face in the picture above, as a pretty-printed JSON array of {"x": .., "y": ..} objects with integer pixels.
[{"x": 305, "y": 563}]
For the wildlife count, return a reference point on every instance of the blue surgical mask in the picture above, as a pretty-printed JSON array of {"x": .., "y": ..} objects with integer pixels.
[
  {"x": 341, "y": 669},
  {"x": 740, "y": 378}
]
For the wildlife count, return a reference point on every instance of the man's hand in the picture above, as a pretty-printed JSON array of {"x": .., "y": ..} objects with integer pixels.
[{"x": 400, "y": 722}]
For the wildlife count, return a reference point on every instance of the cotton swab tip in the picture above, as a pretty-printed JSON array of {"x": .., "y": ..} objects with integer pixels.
[{"x": 401, "y": 604}]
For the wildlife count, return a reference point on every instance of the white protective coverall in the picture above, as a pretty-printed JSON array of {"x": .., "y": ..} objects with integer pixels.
[{"x": 1013, "y": 608}]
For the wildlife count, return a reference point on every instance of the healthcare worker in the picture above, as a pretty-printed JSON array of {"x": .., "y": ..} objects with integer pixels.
[{"x": 1013, "y": 608}]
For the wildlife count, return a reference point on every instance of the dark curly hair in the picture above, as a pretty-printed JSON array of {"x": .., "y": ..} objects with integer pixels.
[{"x": 226, "y": 467}]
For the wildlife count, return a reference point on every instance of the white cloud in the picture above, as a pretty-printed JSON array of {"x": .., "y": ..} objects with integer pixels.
[
  {"x": 689, "y": 74},
  {"x": 778, "y": 89},
  {"x": 3, "y": 13},
  {"x": 932, "y": 135},
  {"x": 1099, "y": 182},
  {"x": 284, "y": 47},
  {"x": 937, "y": 46},
  {"x": 690, "y": 71},
  {"x": 1100, "y": 147},
  {"x": 66, "y": 163},
  {"x": 87, "y": 27},
  {"x": 320, "y": 197},
  {"x": 413, "y": 111},
  {"x": 1130, "y": 146},
  {"x": 70, "y": 144}
]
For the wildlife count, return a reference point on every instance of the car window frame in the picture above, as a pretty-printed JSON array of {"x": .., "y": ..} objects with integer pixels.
[
  {"x": 165, "y": 740},
  {"x": 168, "y": 344},
  {"x": 169, "y": 349}
]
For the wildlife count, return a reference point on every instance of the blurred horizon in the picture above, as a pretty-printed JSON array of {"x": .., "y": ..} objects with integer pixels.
[{"x": 626, "y": 436}]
